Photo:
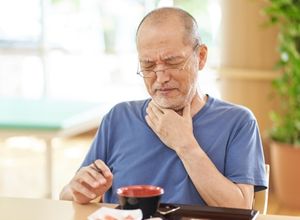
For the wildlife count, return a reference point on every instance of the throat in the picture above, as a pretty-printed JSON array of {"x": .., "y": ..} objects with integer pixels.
[{"x": 198, "y": 103}]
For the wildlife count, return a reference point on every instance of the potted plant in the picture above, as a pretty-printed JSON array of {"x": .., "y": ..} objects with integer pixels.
[{"x": 285, "y": 132}]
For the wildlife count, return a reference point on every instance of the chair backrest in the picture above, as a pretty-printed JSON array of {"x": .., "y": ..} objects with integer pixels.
[{"x": 261, "y": 198}]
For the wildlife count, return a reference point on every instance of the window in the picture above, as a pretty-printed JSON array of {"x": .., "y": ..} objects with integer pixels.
[{"x": 84, "y": 49}]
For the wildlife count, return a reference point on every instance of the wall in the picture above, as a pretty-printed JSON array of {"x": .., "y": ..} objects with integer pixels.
[{"x": 248, "y": 55}]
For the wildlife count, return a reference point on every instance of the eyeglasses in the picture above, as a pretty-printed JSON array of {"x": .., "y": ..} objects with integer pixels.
[{"x": 150, "y": 73}]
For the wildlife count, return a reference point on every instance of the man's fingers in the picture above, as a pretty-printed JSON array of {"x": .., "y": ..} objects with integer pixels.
[
  {"x": 95, "y": 173},
  {"x": 152, "y": 109},
  {"x": 92, "y": 180},
  {"x": 149, "y": 122},
  {"x": 151, "y": 114},
  {"x": 157, "y": 109},
  {"x": 102, "y": 168},
  {"x": 187, "y": 111},
  {"x": 82, "y": 189}
]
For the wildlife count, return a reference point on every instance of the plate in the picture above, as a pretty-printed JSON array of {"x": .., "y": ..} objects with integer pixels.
[{"x": 105, "y": 213}]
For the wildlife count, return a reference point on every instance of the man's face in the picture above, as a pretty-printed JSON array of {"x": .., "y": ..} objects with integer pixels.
[{"x": 162, "y": 47}]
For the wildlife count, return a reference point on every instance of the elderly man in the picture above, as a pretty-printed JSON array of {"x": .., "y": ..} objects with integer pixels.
[{"x": 201, "y": 150}]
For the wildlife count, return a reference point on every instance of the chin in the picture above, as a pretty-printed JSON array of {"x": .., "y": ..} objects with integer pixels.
[{"x": 169, "y": 104}]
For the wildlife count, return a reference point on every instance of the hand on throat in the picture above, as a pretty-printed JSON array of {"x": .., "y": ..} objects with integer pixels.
[{"x": 197, "y": 103}]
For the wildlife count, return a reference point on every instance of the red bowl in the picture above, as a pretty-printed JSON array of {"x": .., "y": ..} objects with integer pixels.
[
  {"x": 140, "y": 191},
  {"x": 144, "y": 197}
]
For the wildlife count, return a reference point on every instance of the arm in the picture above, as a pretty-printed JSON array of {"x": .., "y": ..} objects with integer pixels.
[
  {"x": 88, "y": 183},
  {"x": 177, "y": 133},
  {"x": 214, "y": 188}
]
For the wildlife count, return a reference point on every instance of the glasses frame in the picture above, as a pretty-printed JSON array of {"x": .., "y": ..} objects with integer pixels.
[{"x": 139, "y": 71}]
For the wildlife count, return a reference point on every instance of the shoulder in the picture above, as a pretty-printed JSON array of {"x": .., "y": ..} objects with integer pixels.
[
  {"x": 136, "y": 105},
  {"x": 230, "y": 110},
  {"x": 128, "y": 109}
]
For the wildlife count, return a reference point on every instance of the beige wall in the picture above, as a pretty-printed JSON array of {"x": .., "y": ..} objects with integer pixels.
[
  {"x": 245, "y": 41},
  {"x": 248, "y": 55}
]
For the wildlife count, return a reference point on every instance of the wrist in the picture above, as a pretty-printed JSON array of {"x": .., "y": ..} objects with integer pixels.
[{"x": 190, "y": 147}]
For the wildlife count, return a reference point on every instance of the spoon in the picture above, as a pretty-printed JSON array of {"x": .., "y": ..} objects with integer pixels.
[{"x": 168, "y": 211}]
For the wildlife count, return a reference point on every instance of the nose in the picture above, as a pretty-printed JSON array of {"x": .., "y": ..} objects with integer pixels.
[{"x": 162, "y": 76}]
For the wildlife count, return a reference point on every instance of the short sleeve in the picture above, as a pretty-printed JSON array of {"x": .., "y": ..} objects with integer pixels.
[
  {"x": 99, "y": 144},
  {"x": 244, "y": 158}
]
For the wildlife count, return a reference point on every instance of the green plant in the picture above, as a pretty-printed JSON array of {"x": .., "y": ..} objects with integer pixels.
[{"x": 286, "y": 122}]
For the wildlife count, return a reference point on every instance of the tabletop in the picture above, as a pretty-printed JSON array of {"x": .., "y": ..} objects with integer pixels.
[{"x": 36, "y": 209}]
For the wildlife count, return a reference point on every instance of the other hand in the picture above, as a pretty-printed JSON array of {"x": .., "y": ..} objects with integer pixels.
[{"x": 91, "y": 182}]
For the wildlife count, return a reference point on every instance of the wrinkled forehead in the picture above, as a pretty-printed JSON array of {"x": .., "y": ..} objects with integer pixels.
[
  {"x": 161, "y": 54},
  {"x": 158, "y": 41}
]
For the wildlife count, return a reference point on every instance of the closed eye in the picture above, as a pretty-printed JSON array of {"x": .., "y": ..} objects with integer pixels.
[
  {"x": 174, "y": 60},
  {"x": 174, "y": 65},
  {"x": 145, "y": 66}
]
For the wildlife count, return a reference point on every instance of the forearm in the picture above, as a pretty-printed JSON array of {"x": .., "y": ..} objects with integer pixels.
[{"x": 213, "y": 187}]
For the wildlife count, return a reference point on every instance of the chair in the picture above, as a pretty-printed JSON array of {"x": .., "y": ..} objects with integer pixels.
[{"x": 261, "y": 198}]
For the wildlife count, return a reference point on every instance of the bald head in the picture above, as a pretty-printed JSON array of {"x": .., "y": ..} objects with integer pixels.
[{"x": 181, "y": 18}]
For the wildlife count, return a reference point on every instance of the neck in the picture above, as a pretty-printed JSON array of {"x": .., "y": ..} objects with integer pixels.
[{"x": 197, "y": 103}]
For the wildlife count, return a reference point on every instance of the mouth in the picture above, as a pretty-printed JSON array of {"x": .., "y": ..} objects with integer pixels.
[{"x": 165, "y": 91}]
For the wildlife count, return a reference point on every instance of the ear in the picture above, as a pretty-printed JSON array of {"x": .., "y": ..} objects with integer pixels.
[{"x": 202, "y": 54}]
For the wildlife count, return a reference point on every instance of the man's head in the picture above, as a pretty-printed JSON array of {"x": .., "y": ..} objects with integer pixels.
[{"x": 168, "y": 44}]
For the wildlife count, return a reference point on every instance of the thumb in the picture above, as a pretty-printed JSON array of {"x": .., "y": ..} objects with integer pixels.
[{"x": 187, "y": 111}]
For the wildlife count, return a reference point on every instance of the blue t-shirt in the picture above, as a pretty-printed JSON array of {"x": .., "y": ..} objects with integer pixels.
[{"x": 227, "y": 133}]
